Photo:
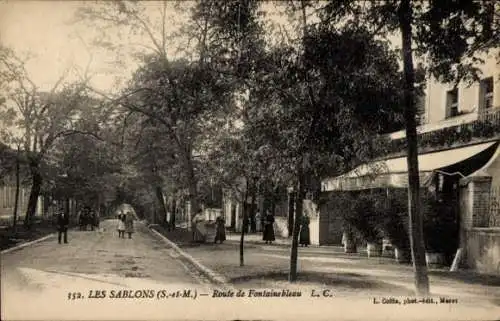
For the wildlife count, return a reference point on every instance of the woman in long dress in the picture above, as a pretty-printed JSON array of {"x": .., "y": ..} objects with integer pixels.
[
  {"x": 197, "y": 222},
  {"x": 304, "y": 236},
  {"x": 129, "y": 224},
  {"x": 268, "y": 235},
  {"x": 220, "y": 233}
]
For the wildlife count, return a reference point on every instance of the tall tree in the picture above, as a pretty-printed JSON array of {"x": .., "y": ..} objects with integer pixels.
[
  {"x": 41, "y": 117},
  {"x": 448, "y": 36}
]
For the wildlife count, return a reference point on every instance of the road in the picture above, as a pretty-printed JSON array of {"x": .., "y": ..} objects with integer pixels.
[
  {"x": 98, "y": 276},
  {"x": 49, "y": 272}
]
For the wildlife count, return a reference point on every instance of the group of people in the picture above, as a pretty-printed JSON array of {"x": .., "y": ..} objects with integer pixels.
[
  {"x": 268, "y": 229},
  {"x": 88, "y": 217},
  {"x": 267, "y": 223},
  {"x": 125, "y": 224},
  {"x": 199, "y": 233}
]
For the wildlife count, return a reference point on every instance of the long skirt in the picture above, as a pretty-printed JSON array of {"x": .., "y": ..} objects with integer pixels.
[
  {"x": 220, "y": 234},
  {"x": 304, "y": 238},
  {"x": 198, "y": 235},
  {"x": 268, "y": 234},
  {"x": 129, "y": 227}
]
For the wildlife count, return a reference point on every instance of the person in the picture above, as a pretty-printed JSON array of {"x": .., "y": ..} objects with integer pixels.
[
  {"x": 268, "y": 234},
  {"x": 81, "y": 219},
  {"x": 220, "y": 233},
  {"x": 304, "y": 238},
  {"x": 121, "y": 225},
  {"x": 197, "y": 227},
  {"x": 92, "y": 218},
  {"x": 129, "y": 224},
  {"x": 258, "y": 221},
  {"x": 62, "y": 225}
]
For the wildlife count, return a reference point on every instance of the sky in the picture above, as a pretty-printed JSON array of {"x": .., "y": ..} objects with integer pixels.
[{"x": 44, "y": 28}]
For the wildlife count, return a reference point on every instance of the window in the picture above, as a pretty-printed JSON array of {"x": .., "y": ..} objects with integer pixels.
[
  {"x": 486, "y": 93},
  {"x": 452, "y": 103}
]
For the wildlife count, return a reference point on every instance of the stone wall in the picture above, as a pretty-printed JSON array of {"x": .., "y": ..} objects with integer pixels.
[
  {"x": 483, "y": 250},
  {"x": 480, "y": 242}
]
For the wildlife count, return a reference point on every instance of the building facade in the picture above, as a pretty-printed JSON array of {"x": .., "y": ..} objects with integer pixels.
[{"x": 459, "y": 146}]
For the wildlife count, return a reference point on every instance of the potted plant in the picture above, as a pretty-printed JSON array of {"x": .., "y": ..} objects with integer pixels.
[
  {"x": 440, "y": 231},
  {"x": 392, "y": 208},
  {"x": 364, "y": 219}
]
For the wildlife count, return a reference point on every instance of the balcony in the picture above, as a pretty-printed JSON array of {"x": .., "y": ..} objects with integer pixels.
[{"x": 452, "y": 132}]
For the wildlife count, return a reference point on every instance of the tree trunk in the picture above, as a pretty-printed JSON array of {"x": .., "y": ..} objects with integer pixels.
[
  {"x": 243, "y": 227},
  {"x": 172, "y": 215},
  {"x": 163, "y": 206},
  {"x": 193, "y": 190},
  {"x": 292, "y": 277},
  {"x": 253, "y": 225},
  {"x": 34, "y": 194},
  {"x": 16, "y": 201},
  {"x": 415, "y": 218},
  {"x": 291, "y": 211}
]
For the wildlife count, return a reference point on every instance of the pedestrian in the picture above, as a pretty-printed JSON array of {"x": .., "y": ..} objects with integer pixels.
[
  {"x": 258, "y": 221},
  {"x": 197, "y": 222},
  {"x": 220, "y": 233},
  {"x": 129, "y": 224},
  {"x": 304, "y": 238},
  {"x": 268, "y": 235},
  {"x": 92, "y": 219},
  {"x": 121, "y": 225},
  {"x": 62, "y": 225}
]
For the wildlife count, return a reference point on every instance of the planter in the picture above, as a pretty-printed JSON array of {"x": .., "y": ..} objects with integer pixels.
[
  {"x": 349, "y": 244},
  {"x": 401, "y": 255},
  {"x": 374, "y": 249},
  {"x": 434, "y": 258}
]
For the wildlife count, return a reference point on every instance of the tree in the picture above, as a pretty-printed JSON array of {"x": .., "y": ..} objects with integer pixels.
[
  {"x": 448, "y": 36},
  {"x": 43, "y": 117},
  {"x": 197, "y": 90},
  {"x": 308, "y": 108}
]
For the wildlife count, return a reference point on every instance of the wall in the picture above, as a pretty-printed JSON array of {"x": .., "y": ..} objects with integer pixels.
[
  {"x": 329, "y": 224},
  {"x": 483, "y": 250},
  {"x": 480, "y": 242}
]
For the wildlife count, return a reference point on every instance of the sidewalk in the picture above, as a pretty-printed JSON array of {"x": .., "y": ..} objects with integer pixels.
[
  {"x": 255, "y": 238},
  {"x": 267, "y": 266}
]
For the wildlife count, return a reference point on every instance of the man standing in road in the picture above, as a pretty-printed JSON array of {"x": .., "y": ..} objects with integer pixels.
[{"x": 62, "y": 225}]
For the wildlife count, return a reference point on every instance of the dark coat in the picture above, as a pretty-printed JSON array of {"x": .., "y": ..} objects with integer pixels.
[
  {"x": 304, "y": 236},
  {"x": 268, "y": 234},
  {"x": 62, "y": 222},
  {"x": 220, "y": 232}
]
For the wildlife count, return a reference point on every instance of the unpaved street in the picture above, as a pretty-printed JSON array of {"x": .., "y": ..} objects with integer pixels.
[{"x": 97, "y": 261}]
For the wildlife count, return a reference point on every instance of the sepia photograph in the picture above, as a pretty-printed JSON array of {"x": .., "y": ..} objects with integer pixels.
[{"x": 250, "y": 160}]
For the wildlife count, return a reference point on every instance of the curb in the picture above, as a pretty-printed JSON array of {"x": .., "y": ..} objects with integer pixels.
[
  {"x": 23, "y": 245},
  {"x": 213, "y": 276}
]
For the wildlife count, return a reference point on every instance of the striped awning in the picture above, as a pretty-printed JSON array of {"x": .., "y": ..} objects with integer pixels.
[{"x": 393, "y": 172}]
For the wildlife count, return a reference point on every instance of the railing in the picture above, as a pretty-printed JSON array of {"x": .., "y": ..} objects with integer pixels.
[
  {"x": 450, "y": 132},
  {"x": 491, "y": 115}
]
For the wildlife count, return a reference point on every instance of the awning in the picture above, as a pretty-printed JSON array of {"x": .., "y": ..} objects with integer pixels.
[{"x": 393, "y": 172}]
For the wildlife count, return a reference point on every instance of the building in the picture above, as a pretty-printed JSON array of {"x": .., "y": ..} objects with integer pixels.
[{"x": 459, "y": 151}]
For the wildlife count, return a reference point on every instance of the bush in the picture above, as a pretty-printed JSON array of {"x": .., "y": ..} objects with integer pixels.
[
  {"x": 394, "y": 218},
  {"x": 440, "y": 223}
]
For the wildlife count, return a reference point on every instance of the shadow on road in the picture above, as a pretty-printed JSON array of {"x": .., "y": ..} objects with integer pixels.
[
  {"x": 469, "y": 277},
  {"x": 352, "y": 281}
]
